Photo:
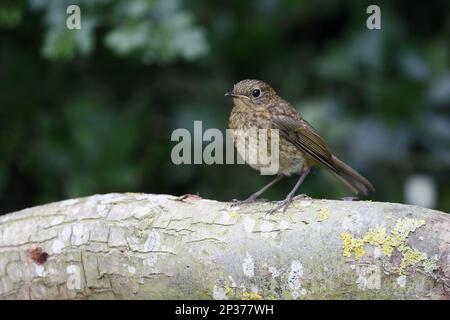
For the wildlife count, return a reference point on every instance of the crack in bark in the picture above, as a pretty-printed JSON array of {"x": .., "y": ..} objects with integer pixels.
[{"x": 217, "y": 256}]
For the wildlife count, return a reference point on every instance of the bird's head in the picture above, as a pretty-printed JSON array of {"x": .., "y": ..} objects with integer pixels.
[{"x": 252, "y": 93}]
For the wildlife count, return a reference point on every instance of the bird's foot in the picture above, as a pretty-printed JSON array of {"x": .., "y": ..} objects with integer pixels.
[
  {"x": 282, "y": 206},
  {"x": 236, "y": 202}
]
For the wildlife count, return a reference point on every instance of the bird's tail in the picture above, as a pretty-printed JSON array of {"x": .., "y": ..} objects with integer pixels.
[{"x": 352, "y": 179}]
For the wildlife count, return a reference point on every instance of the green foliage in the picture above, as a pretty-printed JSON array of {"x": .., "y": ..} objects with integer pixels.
[
  {"x": 92, "y": 110},
  {"x": 153, "y": 30},
  {"x": 11, "y": 12}
]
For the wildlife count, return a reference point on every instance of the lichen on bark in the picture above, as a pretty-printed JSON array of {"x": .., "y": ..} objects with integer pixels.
[{"x": 143, "y": 246}]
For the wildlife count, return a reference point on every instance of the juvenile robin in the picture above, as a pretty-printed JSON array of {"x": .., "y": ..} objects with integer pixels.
[{"x": 257, "y": 106}]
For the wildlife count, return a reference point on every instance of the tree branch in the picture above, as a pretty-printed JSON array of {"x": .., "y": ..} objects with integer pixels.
[{"x": 129, "y": 246}]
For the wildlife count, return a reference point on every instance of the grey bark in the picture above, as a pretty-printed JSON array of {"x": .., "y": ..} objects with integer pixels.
[{"x": 142, "y": 246}]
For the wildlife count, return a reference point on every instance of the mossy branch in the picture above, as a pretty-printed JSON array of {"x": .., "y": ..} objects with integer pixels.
[{"x": 129, "y": 246}]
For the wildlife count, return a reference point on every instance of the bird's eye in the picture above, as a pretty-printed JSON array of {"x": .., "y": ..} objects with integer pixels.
[{"x": 256, "y": 93}]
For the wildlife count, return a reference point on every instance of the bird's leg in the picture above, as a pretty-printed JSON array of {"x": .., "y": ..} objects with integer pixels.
[
  {"x": 285, "y": 203},
  {"x": 255, "y": 196}
]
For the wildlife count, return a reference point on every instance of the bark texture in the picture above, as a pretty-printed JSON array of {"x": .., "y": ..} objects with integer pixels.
[{"x": 143, "y": 246}]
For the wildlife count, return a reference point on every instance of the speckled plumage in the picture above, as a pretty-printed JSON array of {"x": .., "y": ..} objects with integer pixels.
[
  {"x": 257, "y": 106},
  {"x": 291, "y": 159}
]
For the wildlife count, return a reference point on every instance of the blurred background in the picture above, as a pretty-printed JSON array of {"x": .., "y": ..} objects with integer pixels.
[{"x": 92, "y": 111}]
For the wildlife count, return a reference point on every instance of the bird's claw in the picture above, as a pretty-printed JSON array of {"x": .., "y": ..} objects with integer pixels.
[
  {"x": 236, "y": 202},
  {"x": 280, "y": 207}
]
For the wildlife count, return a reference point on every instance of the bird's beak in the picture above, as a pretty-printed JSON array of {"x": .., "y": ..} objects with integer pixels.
[
  {"x": 229, "y": 94},
  {"x": 233, "y": 95}
]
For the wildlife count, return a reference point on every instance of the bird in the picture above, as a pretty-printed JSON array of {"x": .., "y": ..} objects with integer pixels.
[{"x": 256, "y": 105}]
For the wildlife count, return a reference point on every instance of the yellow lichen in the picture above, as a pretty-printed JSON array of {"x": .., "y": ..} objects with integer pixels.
[
  {"x": 410, "y": 257},
  {"x": 396, "y": 240},
  {"x": 232, "y": 214},
  {"x": 387, "y": 247},
  {"x": 376, "y": 236},
  {"x": 251, "y": 296},
  {"x": 405, "y": 226},
  {"x": 324, "y": 214},
  {"x": 228, "y": 291},
  {"x": 429, "y": 265},
  {"x": 352, "y": 245}
]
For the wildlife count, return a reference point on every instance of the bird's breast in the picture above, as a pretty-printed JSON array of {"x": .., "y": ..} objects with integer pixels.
[{"x": 251, "y": 127}]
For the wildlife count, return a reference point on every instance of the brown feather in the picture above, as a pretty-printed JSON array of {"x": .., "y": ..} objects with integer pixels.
[
  {"x": 300, "y": 133},
  {"x": 301, "y": 146}
]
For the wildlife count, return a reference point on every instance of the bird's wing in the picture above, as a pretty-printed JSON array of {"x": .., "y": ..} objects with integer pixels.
[{"x": 301, "y": 134}]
